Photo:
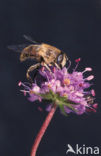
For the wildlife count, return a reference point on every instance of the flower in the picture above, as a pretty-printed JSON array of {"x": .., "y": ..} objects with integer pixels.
[{"x": 69, "y": 91}]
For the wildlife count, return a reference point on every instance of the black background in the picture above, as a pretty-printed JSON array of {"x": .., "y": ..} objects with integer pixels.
[{"x": 71, "y": 25}]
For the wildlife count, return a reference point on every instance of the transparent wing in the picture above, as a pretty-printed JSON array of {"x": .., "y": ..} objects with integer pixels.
[
  {"x": 29, "y": 38},
  {"x": 17, "y": 48}
]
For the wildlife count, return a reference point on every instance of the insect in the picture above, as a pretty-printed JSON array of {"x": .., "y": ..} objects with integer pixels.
[{"x": 45, "y": 55}]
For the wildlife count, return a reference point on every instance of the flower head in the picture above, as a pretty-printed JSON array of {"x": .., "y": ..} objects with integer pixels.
[{"x": 69, "y": 91}]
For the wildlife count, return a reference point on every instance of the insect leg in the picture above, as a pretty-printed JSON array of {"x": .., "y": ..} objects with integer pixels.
[
  {"x": 31, "y": 68},
  {"x": 64, "y": 60},
  {"x": 45, "y": 65},
  {"x": 35, "y": 74},
  {"x": 57, "y": 65}
]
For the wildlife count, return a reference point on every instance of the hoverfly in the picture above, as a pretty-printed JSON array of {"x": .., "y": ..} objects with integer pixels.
[{"x": 45, "y": 55}]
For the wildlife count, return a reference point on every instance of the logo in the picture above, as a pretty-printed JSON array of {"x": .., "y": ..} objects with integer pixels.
[{"x": 82, "y": 150}]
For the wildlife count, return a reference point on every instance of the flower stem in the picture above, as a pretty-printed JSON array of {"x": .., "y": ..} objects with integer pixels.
[{"x": 42, "y": 130}]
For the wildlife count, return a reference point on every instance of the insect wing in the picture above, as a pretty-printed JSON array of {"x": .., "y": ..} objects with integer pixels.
[
  {"x": 29, "y": 38},
  {"x": 17, "y": 48}
]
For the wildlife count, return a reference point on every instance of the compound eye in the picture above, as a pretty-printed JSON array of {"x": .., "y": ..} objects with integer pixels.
[{"x": 60, "y": 57}]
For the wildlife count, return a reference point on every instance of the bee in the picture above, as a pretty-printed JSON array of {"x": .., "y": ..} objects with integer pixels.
[{"x": 45, "y": 55}]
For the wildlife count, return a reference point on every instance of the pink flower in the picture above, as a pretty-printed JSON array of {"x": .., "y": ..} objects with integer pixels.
[{"x": 67, "y": 90}]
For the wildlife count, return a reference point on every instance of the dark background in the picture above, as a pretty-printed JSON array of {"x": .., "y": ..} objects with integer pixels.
[{"x": 71, "y": 25}]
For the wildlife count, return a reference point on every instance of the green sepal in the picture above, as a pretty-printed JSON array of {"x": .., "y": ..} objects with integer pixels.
[
  {"x": 63, "y": 110},
  {"x": 67, "y": 105},
  {"x": 49, "y": 95},
  {"x": 59, "y": 100}
]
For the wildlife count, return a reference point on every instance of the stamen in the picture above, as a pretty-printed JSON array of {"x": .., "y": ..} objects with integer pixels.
[
  {"x": 94, "y": 110},
  {"x": 20, "y": 83},
  {"x": 95, "y": 105},
  {"x": 79, "y": 94},
  {"x": 90, "y": 99},
  {"x": 91, "y": 110},
  {"x": 27, "y": 83},
  {"x": 90, "y": 77},
  {"x": 24, "y": 92},
  {"x": 40, "y": 109},
  {"x": 77, "y": 61},
  {"x": 88, "y": 110},
  {"x": 93, "y": 92},
  {"x": 81, "y": 84},
  {"x": 66, "y": 82},
  {"x": 49, "y": 86},
  {"x": 87, "y": 69},
  {"x": 40, "y": 99},
  {"x": 31, "y": 92},
  {"x": 46, "y": 75}
]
